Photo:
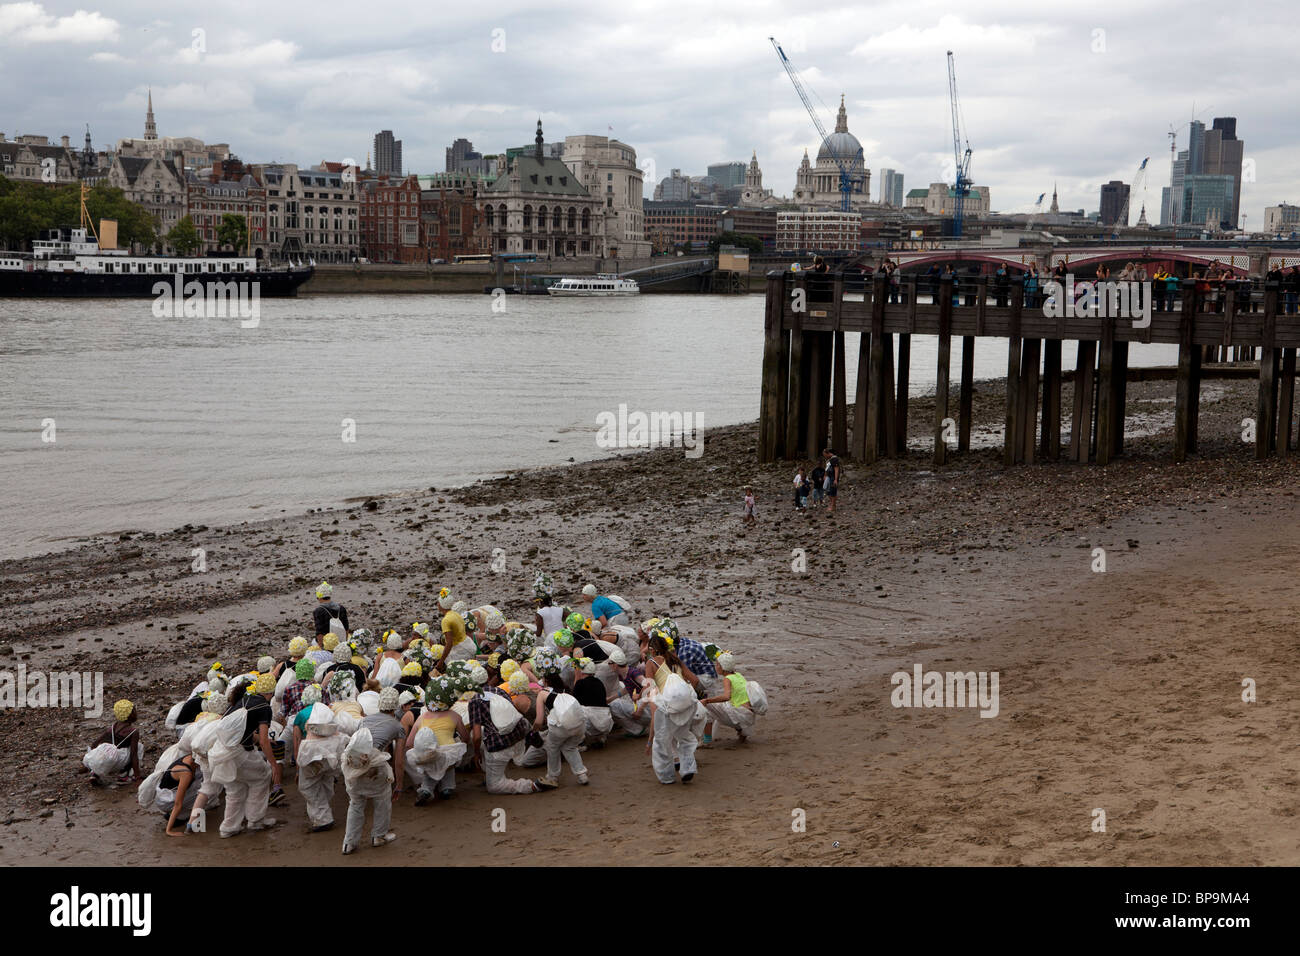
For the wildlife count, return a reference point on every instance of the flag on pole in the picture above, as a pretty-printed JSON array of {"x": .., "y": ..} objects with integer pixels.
[
  {"x": 1039, "y": 201},
  {"x": 1144, "y": 164}
]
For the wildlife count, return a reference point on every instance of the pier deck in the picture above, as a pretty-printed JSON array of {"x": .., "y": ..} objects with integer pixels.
[{"x": 803, "y": 406}]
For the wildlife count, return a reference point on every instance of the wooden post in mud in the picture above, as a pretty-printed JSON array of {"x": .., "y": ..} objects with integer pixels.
[
  {"x": 1029, "y": 398},
  {"x": 1183, "y": 391},
  {"x": 1286, "y": 403},
  {"x": 818, "y": 354},
  {"x": 1266, "y": 404},
  {"x": 890, "y": 413},
  {"x": 771, "y": 424},
  {"x": 876, "y": 391},
  {"x": 1121, "y": 398},
  {"x": 941, "y": 382},
  {"x": 840, "y": 409},
  {"x": 795, "y": 410},
  {"x": 1081, "y": 427},
  {"x": 1011, "y": 436},
  {"x": 861, "y": 397},
  {"x": 1106, "y": 390},
  {"x": 900, "y": 402},
  {"x": 1050, "y": 449},
  {"x": 966, "y": 398}
]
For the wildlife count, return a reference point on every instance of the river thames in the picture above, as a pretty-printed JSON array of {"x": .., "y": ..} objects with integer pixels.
[{"x": 160, "y": 422}]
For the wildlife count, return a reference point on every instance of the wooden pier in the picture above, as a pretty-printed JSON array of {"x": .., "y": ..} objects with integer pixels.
[{"x": 804, "y": 394}]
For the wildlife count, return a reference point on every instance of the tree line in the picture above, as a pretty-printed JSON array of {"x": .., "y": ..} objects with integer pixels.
[{"x": 28, "y": 209}]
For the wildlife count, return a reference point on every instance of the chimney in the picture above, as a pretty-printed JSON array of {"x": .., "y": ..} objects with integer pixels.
[
  {"x": 2, "y": 138},
  {"x": 65, "y": 142}
]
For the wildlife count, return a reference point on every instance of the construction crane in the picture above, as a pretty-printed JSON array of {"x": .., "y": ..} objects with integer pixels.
[
  {"x": 1139, "y": 183},
  {"x": 846, "y": 179},
  {"x": 961, "y": 188}
]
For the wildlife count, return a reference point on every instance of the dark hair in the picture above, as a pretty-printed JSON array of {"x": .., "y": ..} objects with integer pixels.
[
  {"x": 555, "y": 682},
  {"x": 237, "y": 694},
  {"x": 660, "y": 646}
]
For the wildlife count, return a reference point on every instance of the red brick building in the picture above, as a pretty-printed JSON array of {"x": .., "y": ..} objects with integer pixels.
[
  {"x": 389, "y": 218},
  {"x": 451, "y": 223},
  {"x": 230, "y": 190}
]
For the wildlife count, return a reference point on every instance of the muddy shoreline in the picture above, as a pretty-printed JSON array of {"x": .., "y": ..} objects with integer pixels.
[{"x": 972, "y": 563}]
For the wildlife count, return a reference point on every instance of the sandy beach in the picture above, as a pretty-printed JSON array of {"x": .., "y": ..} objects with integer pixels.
[{"x": 1119, "y": 691}]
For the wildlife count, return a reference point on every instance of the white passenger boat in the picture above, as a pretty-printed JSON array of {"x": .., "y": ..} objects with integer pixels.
[{"x": 594, "y": 285}]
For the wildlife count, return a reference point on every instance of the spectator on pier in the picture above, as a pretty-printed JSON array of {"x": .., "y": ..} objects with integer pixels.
[
  {"x": 1158, "y": 289},
  {"x": 1001, "y": 279},
  {"x": 1292, "y": 285},
  {"x": 328, "y": 611},
  {"x": 1172, "y": 286},
  {"x": 1031, "y": 286},
  {"x": 895, "y": 293},
  {"x": 932, "y": 281}
]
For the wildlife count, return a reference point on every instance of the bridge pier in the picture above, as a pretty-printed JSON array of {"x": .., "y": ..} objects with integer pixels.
[{"x": 804, "y": 404}]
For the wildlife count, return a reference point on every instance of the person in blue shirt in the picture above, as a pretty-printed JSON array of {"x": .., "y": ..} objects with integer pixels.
[{"x": 605, "y": 610}]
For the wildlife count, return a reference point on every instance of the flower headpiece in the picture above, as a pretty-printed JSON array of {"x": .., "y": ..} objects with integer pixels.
[{"x": 123, "y": 709}]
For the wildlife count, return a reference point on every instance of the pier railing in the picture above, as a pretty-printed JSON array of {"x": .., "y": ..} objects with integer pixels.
[{"x": 804, "y": 405}]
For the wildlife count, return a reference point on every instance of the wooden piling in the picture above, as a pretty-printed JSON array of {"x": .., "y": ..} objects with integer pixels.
[
  {"x": 1119, "y": 403},
  {"x": 1029, "y": 378},
  {"x": 795, "y": 410},
  {"x": 901, "y": 391},
  {"x": 1011, "y": 434},
  {"x": 1084, "y": 381},
  {"x": 1286, "y": 404},
  {"x": 1050, "y": 449},
  {"x": 861, "y": 397},
  {"x": 966, "y": 397},
  {"x": 876, "y": 393},
  {"x": 890, "y": 412},
  {"x": 941, "y": 381},
  {"x": 1106, "y": 390},
  {"x": 1183, "y": 398},
  {"x": 1265, "y": 404},
  {"x": 771, "y": 425},
  {"x": 840, "y": 412}
]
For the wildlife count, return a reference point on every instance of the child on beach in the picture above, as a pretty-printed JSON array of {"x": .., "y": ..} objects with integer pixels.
[
  {"x": 801, "y": 488},
  {"x": 749, "y": 516},
  {"x": 818, "y": 480}
]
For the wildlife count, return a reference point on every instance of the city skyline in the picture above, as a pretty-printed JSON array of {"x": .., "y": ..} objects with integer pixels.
[{"x": 1046, "y": 98}]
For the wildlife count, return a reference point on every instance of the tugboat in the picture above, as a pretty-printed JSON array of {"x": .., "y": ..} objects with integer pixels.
[
  {"x": 594, "y": 285},
  {"x": 69, "y": 262}
]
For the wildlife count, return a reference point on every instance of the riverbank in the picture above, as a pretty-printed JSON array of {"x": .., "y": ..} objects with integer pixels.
[{"x": 1120, "y": 690}]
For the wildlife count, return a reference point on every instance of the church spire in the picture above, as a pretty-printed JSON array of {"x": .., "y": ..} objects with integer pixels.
[
  {"x": 842, "y": 120},
  {"x": 539, "y": 139},
  {"x": 1055, "y": 207},
  {"x": 150, "y": 129}
]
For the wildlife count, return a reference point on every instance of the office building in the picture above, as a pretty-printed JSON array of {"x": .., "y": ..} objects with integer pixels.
[
  {"x": 1114, "y": 203},
  {"x": 388, "y": 154}
]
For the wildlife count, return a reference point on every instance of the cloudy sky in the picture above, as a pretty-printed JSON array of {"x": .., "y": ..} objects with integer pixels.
[{"x": 1070, "y": 94}]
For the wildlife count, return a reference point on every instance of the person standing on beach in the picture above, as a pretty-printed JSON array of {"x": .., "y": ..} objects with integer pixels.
[
  {"x": 832, "y": 479},
  {"x": 749, "y": 516},
  {"x": 327, "y": 611},
  {"x": 818, "y": 476}
]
